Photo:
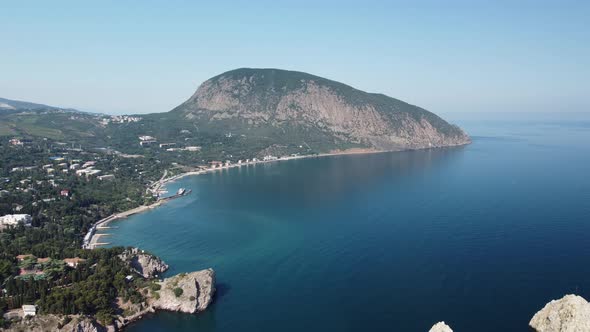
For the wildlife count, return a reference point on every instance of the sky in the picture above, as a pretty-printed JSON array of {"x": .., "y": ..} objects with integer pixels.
[{"x": 446, "y": 56}]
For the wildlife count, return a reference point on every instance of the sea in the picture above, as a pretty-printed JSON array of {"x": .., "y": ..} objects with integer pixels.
[{"x": 480, "y": 236}]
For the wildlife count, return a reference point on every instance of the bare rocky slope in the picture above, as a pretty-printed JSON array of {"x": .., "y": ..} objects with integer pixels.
[
  {"x": 186, "y": 292},
  {"x": 148, "y": 265},
  {"x": 302, "y": 109},
  {"x": 440, "y": 327},
  {"x": 568, "y": 314}
]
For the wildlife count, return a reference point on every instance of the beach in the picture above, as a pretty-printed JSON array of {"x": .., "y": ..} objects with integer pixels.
[{"x": 92, "y": 240}]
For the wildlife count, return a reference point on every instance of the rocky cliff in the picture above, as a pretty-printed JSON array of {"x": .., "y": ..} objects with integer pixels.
[
  {"x": 186, "y": 292},
  {"x": 143, "y": 263},
  {"x": 302, "y": 109},
  {"x": 568, "y": 314},
  {"x": 440, "y": 327},
  {"x": 46, "y": 323}
]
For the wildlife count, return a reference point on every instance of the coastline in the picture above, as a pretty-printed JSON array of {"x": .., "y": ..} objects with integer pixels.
[{"x": 91, "y": 238}]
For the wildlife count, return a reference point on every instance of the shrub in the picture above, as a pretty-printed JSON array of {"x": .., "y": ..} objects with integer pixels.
[{"x": 178, "y": 291}]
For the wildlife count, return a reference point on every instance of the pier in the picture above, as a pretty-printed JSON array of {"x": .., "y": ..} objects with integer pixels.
[{"x": 91, "y": 238}]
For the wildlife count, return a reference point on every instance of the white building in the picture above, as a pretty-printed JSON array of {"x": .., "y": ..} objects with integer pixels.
[
  {"x": 89, "y": 163},
  {"x": 87, "y": 171},
  {"x": 14, "y": 219},
  {"x": 29, "y": 310}
]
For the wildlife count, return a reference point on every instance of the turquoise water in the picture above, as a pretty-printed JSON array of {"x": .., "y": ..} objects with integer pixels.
[{"x": 480, "y": 236}]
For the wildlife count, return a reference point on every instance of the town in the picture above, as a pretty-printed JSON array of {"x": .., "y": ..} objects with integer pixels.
[{"x": 64, "y": 192}]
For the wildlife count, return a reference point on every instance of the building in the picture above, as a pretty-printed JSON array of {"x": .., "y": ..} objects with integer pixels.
[
  {"x": 65, "y": 192},
  {"x": 146, "y": 140},
  {"x": 87, "y": 171},
  {"x": 73, "y": 262},
  {"x": 147, "y": 143},
  {"x": 88, "y": 164},
  {"x": 106, "y": 177},
  {"x": 15, "y": 142},
  {"x": 167, "y": 145},
  {"x": 74, "y": 166},
  {"x": 21, "y": 258},
  {"x": 193, "y": 148},
  {"x": 215, "y": 164},
  {"x": 15, "y": 219},
  {"x": 29, "y": 310}
]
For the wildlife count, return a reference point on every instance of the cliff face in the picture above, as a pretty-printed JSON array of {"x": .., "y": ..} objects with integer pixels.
[
  {"x": 45, "y": 323},
  {"x": 440, "y": 327},
  {"x": 568, "y": 314},
  {"x": 299, "y": 105},
  {"x": 186, "y": 292},
  {"x": 145, "y": 264}
]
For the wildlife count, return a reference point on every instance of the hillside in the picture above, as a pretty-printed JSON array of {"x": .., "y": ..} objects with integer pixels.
[
  {"x": 295, "y": 108},
  {"x": 9, "y": 104},
  {"x": 245, "y": 113}
]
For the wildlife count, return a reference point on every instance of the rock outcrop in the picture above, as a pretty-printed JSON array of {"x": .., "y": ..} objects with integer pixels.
[
  {"x": 293, "y": 107},
  {"x": 440, "y": 327},
  {"x": 143, "y": 263},
  {"x": 83, "y": 325},
  {"x": 45, "y": 323},
  {"x": 186, "y": 292},
  {"x": 568, "y": 314}
]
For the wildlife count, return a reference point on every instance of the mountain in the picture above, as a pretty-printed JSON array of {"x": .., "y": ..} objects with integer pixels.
[
  {"x": 23, "y": 105},
  {"x": 26, "y": 119},
  {"x": 302, "y": 109},
  {"x": 20, "y": 106},
  {"x": 246, "y": 113}
]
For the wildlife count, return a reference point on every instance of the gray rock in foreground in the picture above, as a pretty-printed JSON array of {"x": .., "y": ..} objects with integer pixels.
[
  {"x": 568, "y": 314},
  {"x": 196, "y": 295},
  {"x": 440, "y": 327},
  {"x": 45, "y": 323}
]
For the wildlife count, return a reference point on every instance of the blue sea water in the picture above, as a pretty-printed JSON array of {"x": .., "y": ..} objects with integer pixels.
[{"x": 480, "y": 236}]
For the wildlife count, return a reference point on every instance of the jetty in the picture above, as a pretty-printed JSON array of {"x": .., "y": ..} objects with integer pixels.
[{"x": 91, "y": 239}]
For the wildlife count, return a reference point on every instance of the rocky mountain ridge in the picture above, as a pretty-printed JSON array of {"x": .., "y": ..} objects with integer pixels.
[{"x": 274, "y": 102}]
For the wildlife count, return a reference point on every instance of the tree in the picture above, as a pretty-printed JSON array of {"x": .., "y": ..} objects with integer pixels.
[{"x": 178, "y": 291}]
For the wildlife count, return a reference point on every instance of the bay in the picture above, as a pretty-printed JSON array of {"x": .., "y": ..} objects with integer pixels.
[{"x": 480, "y": 236}]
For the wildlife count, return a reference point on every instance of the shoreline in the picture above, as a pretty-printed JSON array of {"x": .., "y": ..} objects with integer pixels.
[{"x": 91, "y": 238}]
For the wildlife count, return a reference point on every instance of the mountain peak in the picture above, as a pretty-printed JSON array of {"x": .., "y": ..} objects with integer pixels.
[{"x": 274, "y": 101}]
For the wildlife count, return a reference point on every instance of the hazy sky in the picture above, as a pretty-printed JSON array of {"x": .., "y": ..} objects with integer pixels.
[{"x": 149, "y": 56}]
